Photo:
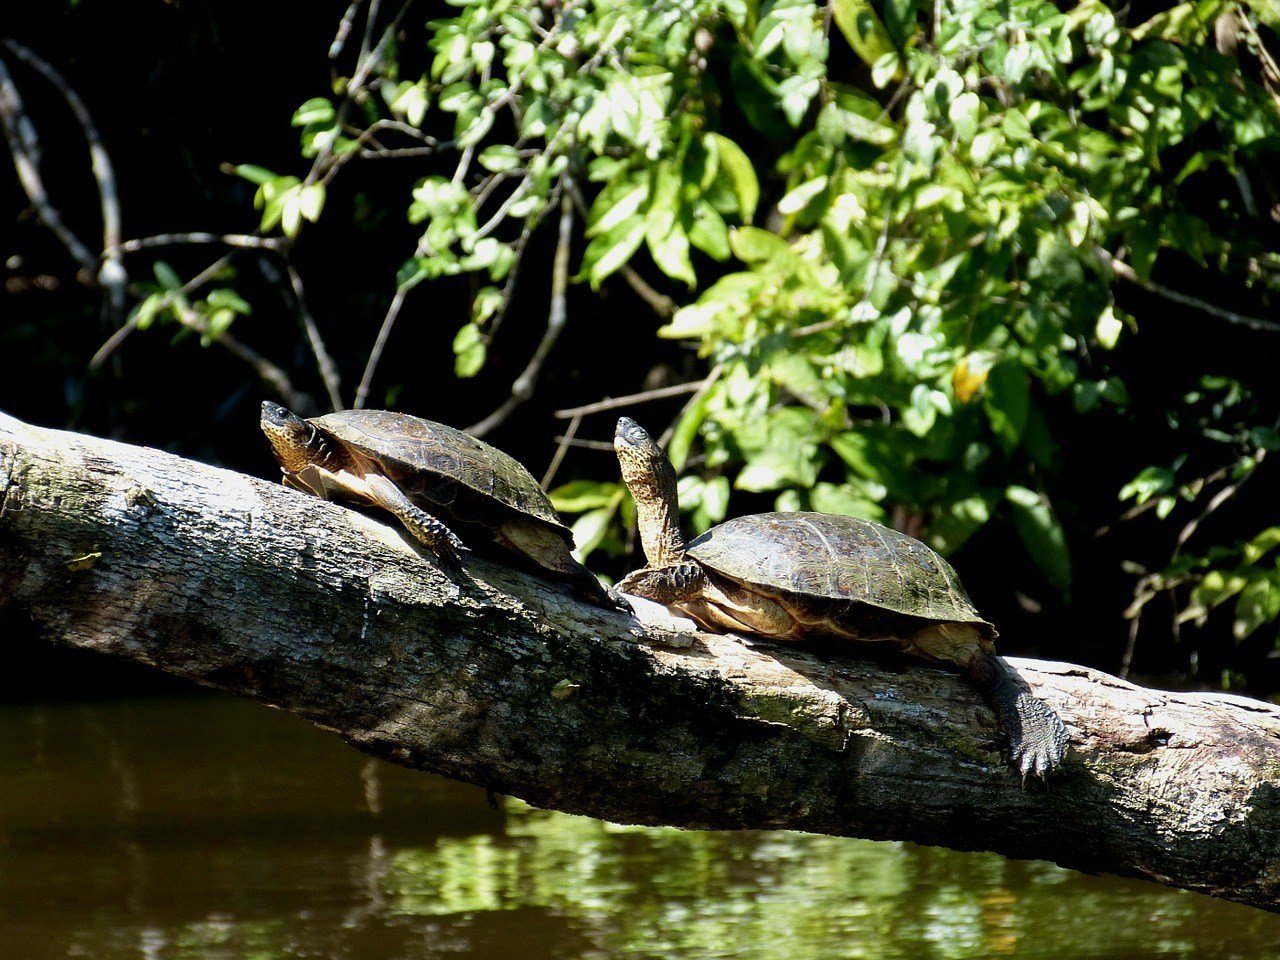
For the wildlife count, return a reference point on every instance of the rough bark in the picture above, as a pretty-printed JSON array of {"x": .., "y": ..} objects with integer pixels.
[{"x": 504, "y": 680}]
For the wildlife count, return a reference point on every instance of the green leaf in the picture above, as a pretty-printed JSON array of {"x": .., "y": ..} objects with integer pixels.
[
  {"x": 1007, "y": 401},
  {"x": 1108, "y": 328},
  {"x": 610, "y": 250},
  {"x": 317, "y": 110},
  {"x": 957, "y": 521},
  {"x": 144, "y": 314},
  {"x": 468, "y": 350},
  {"x": 865, "y": 33},
  {"x": 1259, "y": 603},
  {"x": 589, "y": 531},
  {"x": 167, "y": 277},
  {"x": 579, "y": 495},
  {"x": 844, "y": 500},
  {"x": 753, "y": 245},
  {"x": 709, "y": 233},
  {"x": 254, "y": 174},
  {"x": 1043, "y": 536},
  {"x": 671, "y": 254},
  {"x": 796, "y": 200},
  {"x": 500, "y": 158},
  {"x": 611, "y": 209},
  {"x": 1216, "y": 587},
  {"x": 1151, "y": 482},
  {"x": 229, "y": 300},
  {"x": 687, "y": 429},
  {"x": 741, "y": 173},
  {"x": 485, "y": 305}
]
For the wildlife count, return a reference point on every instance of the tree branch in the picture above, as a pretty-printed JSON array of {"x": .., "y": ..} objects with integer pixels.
[
  {"x": 522, "y": 387},
  {"x": 22, "y": 145},
  {"x": 111, "y": 275},
  {"x": 500, "y": 679},
  {"x": 1126, "y": 272}
]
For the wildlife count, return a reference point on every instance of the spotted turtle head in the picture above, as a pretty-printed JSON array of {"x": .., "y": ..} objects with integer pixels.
[
  {"x": 294, "y": 441},
  {"x": 642, "y": 461}
]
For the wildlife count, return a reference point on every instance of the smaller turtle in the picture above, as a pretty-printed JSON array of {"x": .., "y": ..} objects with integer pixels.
[
  {"x": 415, "y": 468},
  {"x": 795, "y": 576}
]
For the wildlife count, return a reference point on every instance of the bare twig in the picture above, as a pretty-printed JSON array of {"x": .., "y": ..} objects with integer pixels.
[
  {"x": 562, "y": 445},
  {"x": 370, "y": 22},
  {"x": 523, "y": 386},
  {"x": 245, "y": 240},
  {"x": 660, "y": 303},
  {"x": 22, "y": 146},
  {"x": 111, "y": 275},
  {"x": 1123, "y": 270},
  {"x": 344, "y": 29},
  {"x": 616, "y": 403},
  {"x": 324, "y": 362},
  {"x": 270, "y": 374},
  {"x": 568, "y": 441},
  {"x": 531, "y": 224},
  {"x": 380, "y": 342}
]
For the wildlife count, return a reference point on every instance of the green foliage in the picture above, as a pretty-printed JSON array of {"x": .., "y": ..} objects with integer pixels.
[
  {"x": 1245, "y": 573},
  {"x": 900, "y": 272}
]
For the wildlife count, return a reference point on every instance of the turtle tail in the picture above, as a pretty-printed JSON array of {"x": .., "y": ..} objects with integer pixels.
[{"x": 1037, "y": 736}]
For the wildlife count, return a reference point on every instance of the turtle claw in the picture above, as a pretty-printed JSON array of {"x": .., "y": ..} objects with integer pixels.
[
  {"x": 618, "y": 602},
  {"x": 1038, "y": 739}
]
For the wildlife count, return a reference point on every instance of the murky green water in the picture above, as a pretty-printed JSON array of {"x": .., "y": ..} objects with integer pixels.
[{"x": 210, "y": 828}]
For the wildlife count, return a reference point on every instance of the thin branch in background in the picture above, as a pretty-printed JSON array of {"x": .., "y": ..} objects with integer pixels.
[
  {"x": 660, "y": 303},
  {"x": 523, "y": 386},
  {"x": 562, "y": 445},
  {"x": 631, "y": 399},
  {"x": 23, "y": 146},
  {"x": 531, "y": 224},
  {"x": 245, "y": 240},
  {"x": 1126, "y": 272},
  {"x": 344, "y": 29},
  {"x": 602, "y": 445},
  {"x": 370, "y": 22},
  {"x": 271, "y": 374},
  {"x": 324, "y": 361},
  {"x": 111, "y": 274},
  {"x": 380, "y": 342}
]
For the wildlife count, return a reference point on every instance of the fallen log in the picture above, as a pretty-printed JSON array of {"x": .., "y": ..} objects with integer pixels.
[{"x": 501, "y": 679}]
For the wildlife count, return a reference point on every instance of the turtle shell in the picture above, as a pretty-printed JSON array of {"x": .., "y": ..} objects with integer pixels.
[
  {"x": 837, "y": 558},
  {"x": 409, "y": 447}
]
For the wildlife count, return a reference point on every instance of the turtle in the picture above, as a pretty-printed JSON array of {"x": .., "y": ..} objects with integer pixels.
[
  {"x": 415, "y": 469},
  {"x": 802, "y": 576}
]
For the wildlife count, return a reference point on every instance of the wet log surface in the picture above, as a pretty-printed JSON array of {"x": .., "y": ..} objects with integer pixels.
[{"x": 496, "y": 677}]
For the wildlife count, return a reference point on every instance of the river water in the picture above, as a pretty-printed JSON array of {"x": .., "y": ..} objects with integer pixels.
[{"x": 205, "y": 827}]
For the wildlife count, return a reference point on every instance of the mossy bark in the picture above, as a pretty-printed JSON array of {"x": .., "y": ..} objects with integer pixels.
[{"x": 504, "y": 680}]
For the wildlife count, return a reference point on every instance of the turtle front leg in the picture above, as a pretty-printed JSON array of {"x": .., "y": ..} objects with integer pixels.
[
  {"x": 426, "y": 528},
  {"x": 666, "y": 585}
]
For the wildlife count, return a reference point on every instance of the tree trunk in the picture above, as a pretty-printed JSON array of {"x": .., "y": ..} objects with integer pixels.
[{"x": 504, "y": 680}]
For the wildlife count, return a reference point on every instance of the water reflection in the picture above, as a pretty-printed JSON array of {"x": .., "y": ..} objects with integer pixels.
[{"x": 210, "y": 829}]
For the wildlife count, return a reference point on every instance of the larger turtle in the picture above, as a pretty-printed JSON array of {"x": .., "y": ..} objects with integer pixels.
[
  {"x": 415, "y": 469},
  {"x": 793, "y": 576}
]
